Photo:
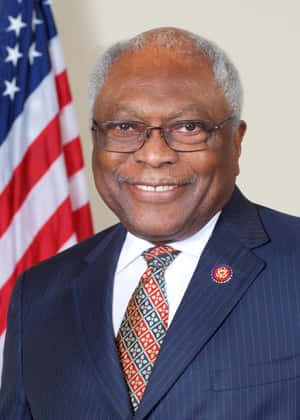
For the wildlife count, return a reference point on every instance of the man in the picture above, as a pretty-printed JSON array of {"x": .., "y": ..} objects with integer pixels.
[{"x": 188, "y": 309}]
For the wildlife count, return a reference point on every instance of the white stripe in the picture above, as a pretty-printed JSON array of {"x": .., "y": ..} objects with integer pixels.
[
  {"x": 56, "y": 56},
  {"x": 78, "y": 190},
  {"x": 68, "y": 124},
  {"x": 2, "y": 340},
  {"x": 39, "y": 206},
  {"x": 70, "y": 242},
  {"x": 40, "y": 108}
]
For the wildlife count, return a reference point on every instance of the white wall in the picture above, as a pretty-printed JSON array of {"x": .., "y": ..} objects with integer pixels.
[{"x": 261, "y": 36}]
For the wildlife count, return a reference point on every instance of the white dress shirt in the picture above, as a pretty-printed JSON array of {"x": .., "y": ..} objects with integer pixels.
[{"x": 132, "y": 265}]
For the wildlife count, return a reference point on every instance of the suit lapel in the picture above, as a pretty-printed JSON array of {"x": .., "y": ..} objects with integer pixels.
[
  {"x": 206, "y": 304},
  {"x": 93, "y": 305}
]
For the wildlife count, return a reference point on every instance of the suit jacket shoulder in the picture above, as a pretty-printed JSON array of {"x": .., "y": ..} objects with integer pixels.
[
  {"x": 57, "y": 273},
  {"x": 281, "y": 226}
]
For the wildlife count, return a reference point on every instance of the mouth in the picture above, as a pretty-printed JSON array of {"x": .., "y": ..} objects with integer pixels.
[
  {"x": 156, "y": 188},
  {"x": 150, "y": 190},
  {"x": 156, "y": 193}
]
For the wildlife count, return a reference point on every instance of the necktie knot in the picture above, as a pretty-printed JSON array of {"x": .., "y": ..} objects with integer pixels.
[{"x": 160, "y": 257}]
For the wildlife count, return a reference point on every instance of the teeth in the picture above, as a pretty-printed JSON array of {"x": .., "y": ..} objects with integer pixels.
[
  {"x": 158, "y": 188},
  {"x": 165, "y": 187}
]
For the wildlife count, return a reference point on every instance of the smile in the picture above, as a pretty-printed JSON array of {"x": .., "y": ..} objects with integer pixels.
[{"x": 158, "y": 188}]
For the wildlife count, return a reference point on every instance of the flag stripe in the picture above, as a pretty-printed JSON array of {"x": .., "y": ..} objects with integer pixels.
[
  {"x": 11, "y": 153},
  {"x": 63, "y": 89},
  {"x": 77, "y": 184},
  {"x": 36, "y": 161},
  {"x": 56, "y": 55},
  {"x": 70, "y": 242},
  {"x": 40, "y": 204},
  {"x": 46, "y": 243},
  {"x": 73, "y": 157},
  {"x": 27, "y": 127},
  {"x": 68, "y": 125},
  {"x": 2, "y": 339},
  {"x": 82, "y": 221}
]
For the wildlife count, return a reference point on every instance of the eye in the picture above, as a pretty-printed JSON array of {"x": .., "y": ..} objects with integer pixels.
[
  {"x": 124, "y": 126},
  {"x": 189, "y": 126},
  {"x": 123, "y": 129}
]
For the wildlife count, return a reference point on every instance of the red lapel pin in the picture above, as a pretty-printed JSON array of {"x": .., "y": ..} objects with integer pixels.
[{"x": 222, "y": 274}]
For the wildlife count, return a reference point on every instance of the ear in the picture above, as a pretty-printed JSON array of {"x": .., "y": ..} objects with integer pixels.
[
  {"x": 238, "y": 138},
  {"x": 93, "y": 135}
]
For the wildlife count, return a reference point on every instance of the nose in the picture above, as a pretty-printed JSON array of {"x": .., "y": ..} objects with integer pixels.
[{"x": 155, "y": 151}]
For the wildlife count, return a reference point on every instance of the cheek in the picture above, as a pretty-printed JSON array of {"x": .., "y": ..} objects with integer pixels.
[
  {"x": 104, "y": 166},
  {"x": 214, "y": 168},
  {"x": 203, "y": 163},
  {"x": 105, "y": 163}
]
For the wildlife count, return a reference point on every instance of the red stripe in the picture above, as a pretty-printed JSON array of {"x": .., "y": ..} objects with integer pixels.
[
  {"x": 63, "y": 89},
  {"x": 47, "y": 242},
  {"x": 36, "y": 161},
  {"x": 83, "y": 224},
  {"x": 73, "y": 157}
]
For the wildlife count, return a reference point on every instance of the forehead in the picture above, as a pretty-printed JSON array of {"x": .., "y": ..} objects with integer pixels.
[{"x": 161, "y": 77}]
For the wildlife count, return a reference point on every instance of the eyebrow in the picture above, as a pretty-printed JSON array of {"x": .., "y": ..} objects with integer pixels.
[
  {"x": 128, "y": 108},
  {"x": 194, "y": 108}
]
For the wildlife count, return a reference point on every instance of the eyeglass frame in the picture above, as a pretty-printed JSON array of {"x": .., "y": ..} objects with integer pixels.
[{"x": 148, "y": 130}]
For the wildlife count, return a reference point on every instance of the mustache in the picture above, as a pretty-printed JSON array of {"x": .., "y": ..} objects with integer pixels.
[{"x": 155, "y": 181}]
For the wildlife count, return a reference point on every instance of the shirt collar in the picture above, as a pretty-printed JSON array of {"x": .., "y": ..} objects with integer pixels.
[{"x": 194, "y": 245}]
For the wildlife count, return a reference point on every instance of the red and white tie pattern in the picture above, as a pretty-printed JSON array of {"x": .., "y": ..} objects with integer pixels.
[{"x": 145, "y": 323}]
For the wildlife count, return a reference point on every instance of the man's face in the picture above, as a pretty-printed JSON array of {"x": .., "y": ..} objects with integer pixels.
[{"x": 155, "y": 86}]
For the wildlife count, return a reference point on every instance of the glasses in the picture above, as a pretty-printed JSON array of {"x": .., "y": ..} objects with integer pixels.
[{"x": 130, "y": 136}]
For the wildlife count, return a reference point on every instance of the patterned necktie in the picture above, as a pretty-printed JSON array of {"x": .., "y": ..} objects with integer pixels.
[{"x": 145, "y": 323}]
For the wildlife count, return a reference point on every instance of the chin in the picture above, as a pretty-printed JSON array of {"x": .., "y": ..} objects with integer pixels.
[{"x": 155, "y": 233}]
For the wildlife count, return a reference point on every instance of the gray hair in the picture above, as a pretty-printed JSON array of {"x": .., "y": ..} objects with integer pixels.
[{"x": 225, "y": 72}]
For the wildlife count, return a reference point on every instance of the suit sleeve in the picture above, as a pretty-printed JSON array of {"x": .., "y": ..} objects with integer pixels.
[{"x": 13, "y": 404}]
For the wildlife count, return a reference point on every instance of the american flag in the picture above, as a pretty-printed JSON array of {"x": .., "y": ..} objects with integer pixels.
[{"x": 44, "y": 204}]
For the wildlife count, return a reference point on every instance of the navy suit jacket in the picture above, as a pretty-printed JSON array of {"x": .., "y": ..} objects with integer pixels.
[{"x": 232, "y": 351}]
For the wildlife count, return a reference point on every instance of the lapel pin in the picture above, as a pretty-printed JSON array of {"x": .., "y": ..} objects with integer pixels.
[{"x": 222, "y": 274}]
